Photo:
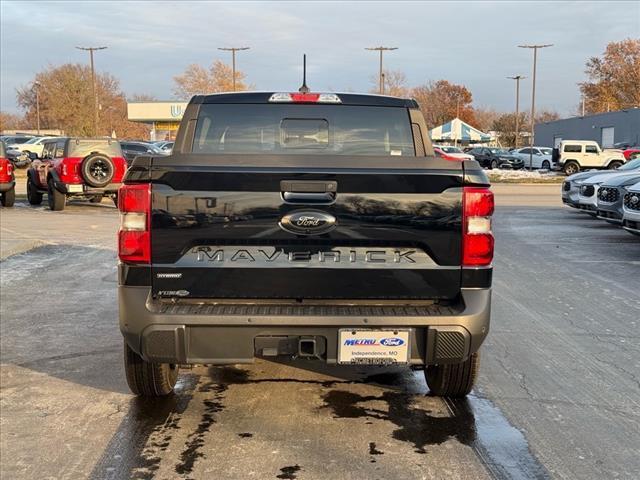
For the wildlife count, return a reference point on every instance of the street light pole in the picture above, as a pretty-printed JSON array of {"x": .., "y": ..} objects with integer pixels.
[
  {"x": 381, "y": 76},
  {"x": 517, "y": 78},
  {"x": 93, "y": 86},
  {"x": 233, "y": 51},
  {"x": 533, "y": 94},
  {"x": 36, "y": 86}
]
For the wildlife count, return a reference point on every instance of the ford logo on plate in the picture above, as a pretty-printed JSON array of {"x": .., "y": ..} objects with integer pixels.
[
  {"x": 308, "y": 222},
  {"x": 391, "y": 342}
]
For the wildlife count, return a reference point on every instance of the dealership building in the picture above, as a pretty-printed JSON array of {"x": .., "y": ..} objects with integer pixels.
[
  {"x": 163, "y": 117},
  {"x": 605, "y": 128}
]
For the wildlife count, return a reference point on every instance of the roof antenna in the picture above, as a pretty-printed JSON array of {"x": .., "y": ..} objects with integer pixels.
[{"x": 304, "y": 88}]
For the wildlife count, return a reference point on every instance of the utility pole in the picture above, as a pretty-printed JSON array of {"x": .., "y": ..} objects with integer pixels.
[
  {"x": 455, "y": 141},
  {"x": 94, "y": 90},
  {"x": 381, "y": 76},
  {"x": 36, "y": 87},
  {"x": 233, "y": 51},
  {"x": 533, "y": 93},
  {"x": 517, "y": 78}
]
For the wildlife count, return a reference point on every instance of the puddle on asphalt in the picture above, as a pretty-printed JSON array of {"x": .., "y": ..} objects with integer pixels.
[{"x": 137, "y": 448}]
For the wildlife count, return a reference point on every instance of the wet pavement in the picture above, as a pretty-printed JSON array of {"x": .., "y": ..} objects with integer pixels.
[{"x": 558, "y": 395}]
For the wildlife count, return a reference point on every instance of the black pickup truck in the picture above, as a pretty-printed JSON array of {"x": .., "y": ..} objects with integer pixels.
[{"x": 319, "y": 227}]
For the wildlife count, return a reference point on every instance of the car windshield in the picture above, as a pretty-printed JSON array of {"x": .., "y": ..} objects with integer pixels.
[
  {"x": 546, "y": 151},
  {"x": 631, "y": 165},
  {"x": 499, "y": 151},
  {"x": 303, "y": 130},
  {"x": 32, "y": 141},
  {"x": 16, "y": 140}
]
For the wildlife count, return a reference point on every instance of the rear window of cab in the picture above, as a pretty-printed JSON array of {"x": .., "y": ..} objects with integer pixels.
[{"x": 303, "y": 130}]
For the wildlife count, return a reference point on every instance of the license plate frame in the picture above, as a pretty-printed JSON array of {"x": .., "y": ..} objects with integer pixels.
[{"x": 370, "y": 348}]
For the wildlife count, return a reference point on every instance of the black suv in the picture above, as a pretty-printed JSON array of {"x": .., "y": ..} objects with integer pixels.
[
  {"x": 491, "y": 157},
  {"x": 318, "y": 227}
]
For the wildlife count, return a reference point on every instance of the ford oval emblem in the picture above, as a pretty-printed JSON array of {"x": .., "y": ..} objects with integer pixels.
[
  {"x": 391, "y": 342},
  {"x": 308, "y": 222}
]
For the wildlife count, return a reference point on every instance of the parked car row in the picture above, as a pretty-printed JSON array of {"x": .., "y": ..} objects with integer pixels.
[
  {"x": 21, "y": 150},
  {"x": 611, "y": 195}
]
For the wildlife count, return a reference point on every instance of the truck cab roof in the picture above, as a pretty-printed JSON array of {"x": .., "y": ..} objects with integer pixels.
[{"x": 362, "y": 99}]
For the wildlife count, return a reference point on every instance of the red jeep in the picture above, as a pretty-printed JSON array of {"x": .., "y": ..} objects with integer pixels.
[
  {"x": 7, "y": 180},
  {"x": 89, "y": 168}
]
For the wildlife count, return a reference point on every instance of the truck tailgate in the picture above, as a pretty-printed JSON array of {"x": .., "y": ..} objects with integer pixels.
[{"x": 220, "y": 231}]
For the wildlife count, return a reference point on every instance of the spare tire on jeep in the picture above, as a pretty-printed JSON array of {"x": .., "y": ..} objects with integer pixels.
[{"x": 97, "y": 170}]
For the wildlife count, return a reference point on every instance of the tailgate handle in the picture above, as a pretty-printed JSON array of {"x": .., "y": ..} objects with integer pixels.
[{"x": 301, "y": 191}]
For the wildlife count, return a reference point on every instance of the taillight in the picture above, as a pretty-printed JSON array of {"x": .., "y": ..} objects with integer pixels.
[
  {"x": 305, "y": 98},
  {"x": 477, "y": 238},
  {"x": 134, "y": 236}
]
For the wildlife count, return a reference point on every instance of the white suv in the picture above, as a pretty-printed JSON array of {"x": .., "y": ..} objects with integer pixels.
[{"x": 576, "y": 155}]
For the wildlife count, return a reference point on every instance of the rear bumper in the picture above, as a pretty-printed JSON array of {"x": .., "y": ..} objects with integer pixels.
[
  {"x": 222, "y": 334},
  {"x": 6, "y": 186},
  {"x": 82, "y": 189}
]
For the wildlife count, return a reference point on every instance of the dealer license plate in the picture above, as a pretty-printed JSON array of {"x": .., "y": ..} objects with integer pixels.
[{"x": 373, "y": 347}]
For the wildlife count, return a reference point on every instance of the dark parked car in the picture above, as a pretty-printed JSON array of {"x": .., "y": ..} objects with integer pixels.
[
  {"x": 131, "y": 150},
  {"x": 491, "y": 157},
  {"x": 89, "y": 168}
]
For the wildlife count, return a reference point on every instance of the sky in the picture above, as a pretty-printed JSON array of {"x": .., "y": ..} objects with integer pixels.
[{"x": 470, "y": 43}]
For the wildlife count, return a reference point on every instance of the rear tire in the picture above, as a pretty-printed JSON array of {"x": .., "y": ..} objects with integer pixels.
[
  {"x": 570, "y": 168},
  {"x": 33, "y": 195},
  {"x": 148, "y": 379},
  {"x": 8, "y": 198},
  {"x": 615, "y": 164},
  {"x": 56, "y": 199},
  {"x": 453, "y": 380}
]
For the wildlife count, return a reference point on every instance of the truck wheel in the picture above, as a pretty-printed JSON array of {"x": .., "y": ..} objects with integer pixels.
[
  {"x": 453, "y": 380},
  {"x": 615, "y": 164},
  {"x": 8, "y": 198},
  {"x": 570, "y": 168},
  {"x": 33, "y": 195},
  {"x": 56, "y": 199},
  {"x": 146, "y": 378}
]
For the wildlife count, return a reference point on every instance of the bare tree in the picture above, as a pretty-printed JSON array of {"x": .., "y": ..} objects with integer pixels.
[
  {"x": 12, "y": 121},
  {"x": 197, "y": 80},
  {"x": 395, "y": 83}
]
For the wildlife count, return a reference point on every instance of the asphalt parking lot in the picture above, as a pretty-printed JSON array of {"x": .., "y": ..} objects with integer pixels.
[{"x": 558, "y": 395}]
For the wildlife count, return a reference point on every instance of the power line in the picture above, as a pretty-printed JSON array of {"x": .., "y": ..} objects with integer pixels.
[
  {"x": 233, "y": 51},
  {"x": 381, "y": 49},
  {"x": 93, "y": 86}
]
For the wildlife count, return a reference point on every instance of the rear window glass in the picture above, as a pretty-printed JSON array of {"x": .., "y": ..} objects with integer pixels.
[
  {"x": 573, "y": 148},
  {"x": 82, "y": 148},
  {"x": 303, "y": 129}
]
